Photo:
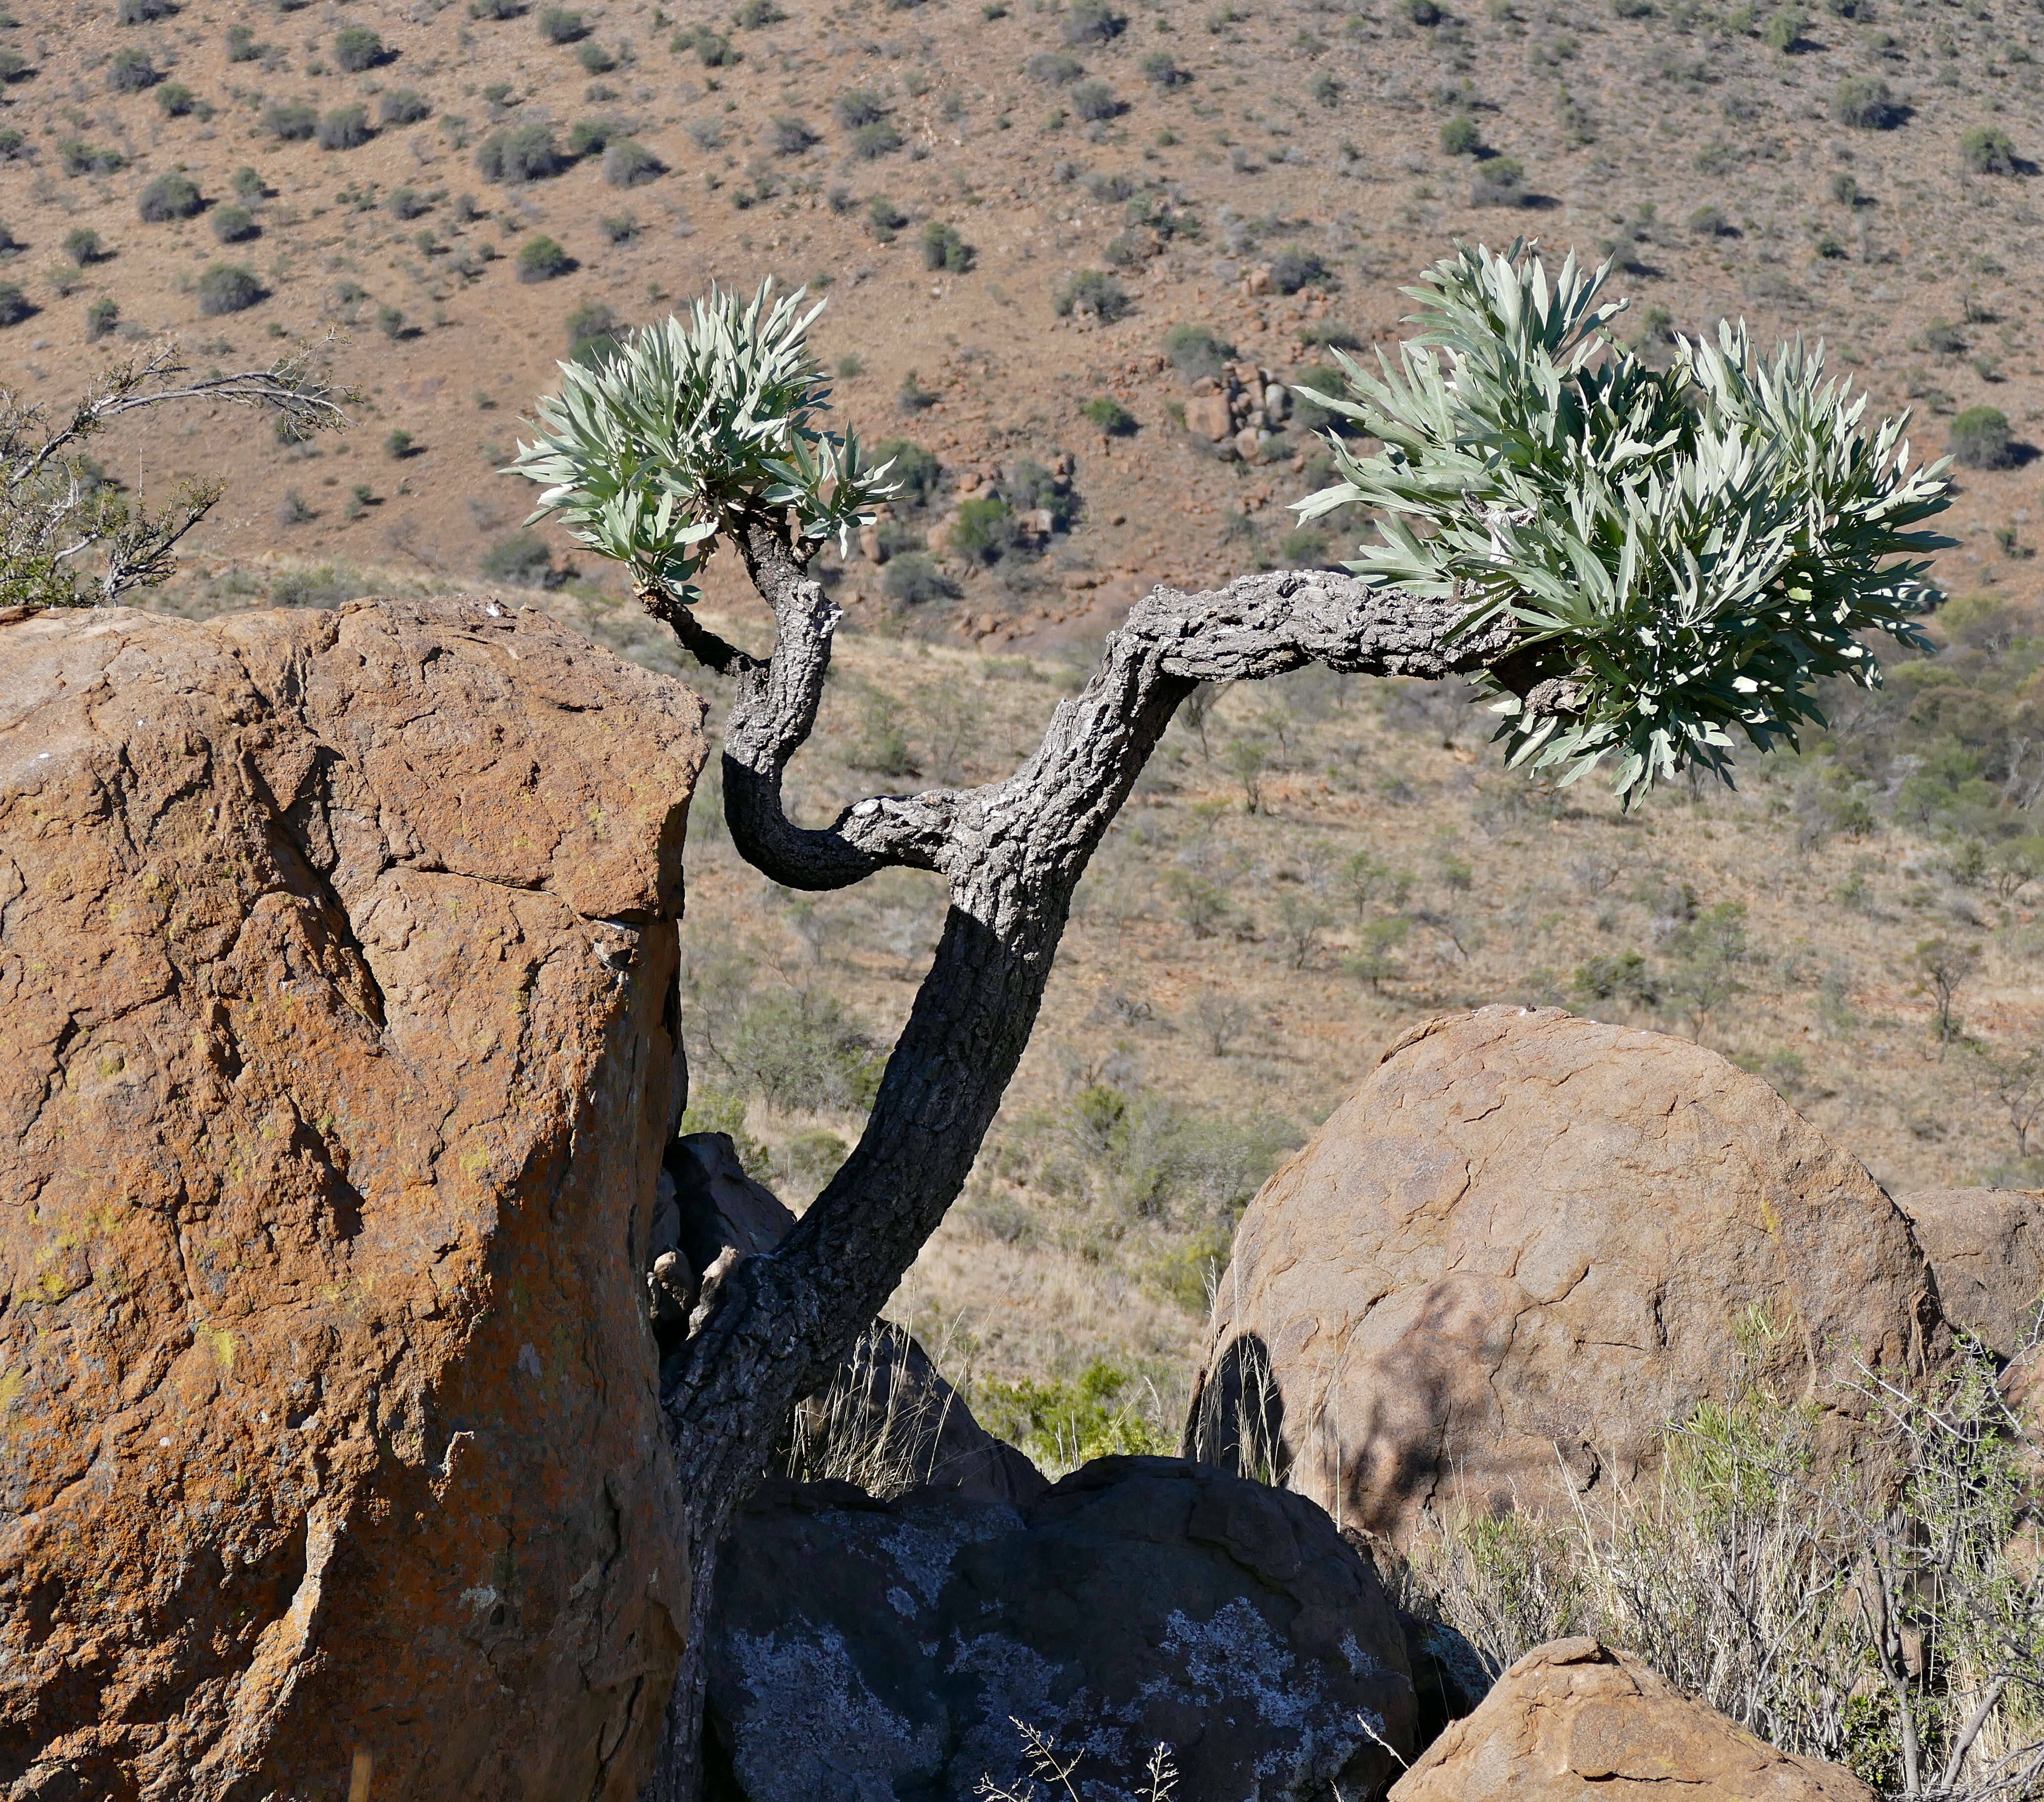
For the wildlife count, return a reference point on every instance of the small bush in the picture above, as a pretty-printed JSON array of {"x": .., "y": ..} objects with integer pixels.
[
  {"x": 83, "y": 246},
  {"x": 1422, "y": 12},
  {"x": 913, "y": 581},
  {"x": 77, "y": 159},
  {"x": 1987, "y": 150},
  {"x": 1943, "y": 339},
  {"x": 1865, "y": 103},
  {"x": 619, "y": 228},
  {"x": 408, "y": 203},
  {"x": 131, "y": 72},
  {"x": 227, "y": 287},
  {"x": 789, "y": 135},
  {"x": 15, "y": 306},
  {"x": 942, "y": 248},
  {"x": 248, "y": 186},
  {"x": 879, "y": 139},
  {"x": 521, "y": 153},
  {"x": 290, "y": 122},
  {"x": 541, "y": 259},
  {"x": 1461, "y": 137},
  {"x": 524, "y": 561},
  {"x": 559, "y": 26},
  {"x": 1161, "y": 70},
  {"x": 1293, "y": 268},
  {"x": 1094, "y": 100},
  {"x": 356, "y": 48},
  {"x": 175, "y": 101},
  {"x": 1091, "y": 291},
  {"x": 1109, "y": 418},
  {"x": 587, "y": 137},
  {"x": 1708, "y": 221},
  {"x": 403, "y": 106},
  {"x": 1092, "y": 21},
  {"x": 629, "y": 164},
  {"x": 915, "y": 468},
  {"x": 174, "y": 196},
  {"x": 345, "y": 128},
  {"x": 101, "y": 316},
  {"x": 1195, "y": 352},
  {"x": 713, "y": 51},
  {"x": 143, "y": 12},
  {"x": 1053, "y": 68},
  {"x": 234, "y": 224},
  {"x": 859, "y": 107},
  {"x": 1500, "y": 182},
  {"x": 400, "y": 444},
  {"x": 595, "y": 59},
  {"x": 756, "y": 15},
  {"x": 912, "y": 397},
  {"x": 241, "y": 44},
  {"x": 1981, "y": 439},
  {"x": 496, "y": 9},
  {"x": 1784, "y": 31}
]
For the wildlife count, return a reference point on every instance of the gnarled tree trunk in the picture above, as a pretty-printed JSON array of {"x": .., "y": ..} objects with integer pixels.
[{"x": 768, "y": 1329}]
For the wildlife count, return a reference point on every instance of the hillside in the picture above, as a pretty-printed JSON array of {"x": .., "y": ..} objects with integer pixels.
[{"x": 385, "y": 172}]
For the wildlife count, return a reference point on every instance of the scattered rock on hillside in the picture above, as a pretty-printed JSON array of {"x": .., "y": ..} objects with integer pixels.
[
  {"x": 1986, "y": 1246},
  {"x": 1529, "y": 1243},
  {"x": 1571, "y": 1722},
  {"x": 338, "y": 967},
  {"x": 867, "y": 1650}
]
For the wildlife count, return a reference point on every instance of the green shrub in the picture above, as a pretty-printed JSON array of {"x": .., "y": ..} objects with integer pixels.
[
  {"x": 1095, "y": 100},
  {"x": 861, "y": 106},
  {"x": 234, "y": 224},
  {"x": 400, "y": 443},
  {"x": 1461, "y": 137},
  {"x": 542, "y": 260},
  {"x": 916, "y": 469},
  {"x": 713, "y": 51},
  {"x": 595, "y": 60},
  {"x": 559, "y": 26},
  {"x": 1865, "y": 103},
  {"x": 1988, "y": 151},
  {"x": 241, "y": 44},
  {"x": 82, "y": 246},
  {"x": 403, "y": 106},
  {"x": 175, "y": 101},
  {"x": 795, "y": 1049},
  {"x": 15, "y": 306},
  {"x": 942, "y": 248},
  {"x": 524, "y": 561},
  {"x": 1293, "y": 268},
  {"x": 1062, "y": 1424},
  {"x": 357, "y": 48},
  {"x": 1092, "y": 21},
  {"x": 629, "y": 164},
  {"x": 344, "y": 127},
  {"x": 913, "y": 581},
  {"x": 408, "y": 203},
  {"x": 290, "y": 122},
  {"x": 1786, "y": 30},
  {"x": 876, "y": 139},
  {"x": 1109, "y": 416},
  {"x": 1981, "y": 439},
  {"x": 144, "y": 12},
  {"x": 101, "y": 316},
  {"x": 131, "y": 72},
  {"x": 79, "y": 159},
  {"x": 789, "y": 135},
  {"x": 912, "y": 396},
  {"x": 1195, "y": 352},
  {"x": 1422, "y": 12},
  {"x": 983, "y": 531},
  {"x": 1161, "y": 70},
  {"x": 1500, "y": 181},
  {"x": 1091, "y": 291},
  {"x": 172, "y": 196},
  {"x": 227, "y": 287},
  {"x": 519, "y": 153},
  {"x": 756, "y": 15},
  {"x": 1053, "y": 68}
]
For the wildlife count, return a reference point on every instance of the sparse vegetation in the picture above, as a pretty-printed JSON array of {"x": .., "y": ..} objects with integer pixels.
[{"x": 1092, "y": 293}]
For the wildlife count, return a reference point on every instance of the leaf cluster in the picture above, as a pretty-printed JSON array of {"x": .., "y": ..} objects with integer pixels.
[
  {"x": 694, "y": 429},
  {"x": 1687, "y": 552}
]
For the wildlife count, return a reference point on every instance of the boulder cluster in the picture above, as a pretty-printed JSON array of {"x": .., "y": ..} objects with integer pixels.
[
  {"x": 345, "y": 1220},
  {"x": 1242, "y": 410}
]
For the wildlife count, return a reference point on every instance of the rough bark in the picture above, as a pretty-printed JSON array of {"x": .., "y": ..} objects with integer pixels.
[{"x": 767, "y": 1329}]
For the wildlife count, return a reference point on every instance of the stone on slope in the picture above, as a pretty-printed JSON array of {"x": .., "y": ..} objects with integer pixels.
[
  {"x": 1527, "y": 1244},
  {"x": 1571, "y": 1722},
  {"x": 338, "y": 958},
  {"x": 864, "y": 1651},
  {"x": 1986, "y": 1246}
]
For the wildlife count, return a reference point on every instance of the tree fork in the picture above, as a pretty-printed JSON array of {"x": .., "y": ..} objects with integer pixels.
[{"x": 768, "y": 1329}]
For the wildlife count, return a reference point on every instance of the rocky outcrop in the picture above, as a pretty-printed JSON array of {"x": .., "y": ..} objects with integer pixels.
[
  {"x": 1528, "y": 1244},
  {"x": 338, "y": 960},
  {"x": 1986, "y": 1246},
  {"x": 863, "y": 1649},
  {"x": 1571, "y": 1722}
]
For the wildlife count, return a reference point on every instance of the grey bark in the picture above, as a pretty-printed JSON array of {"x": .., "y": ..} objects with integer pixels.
[{"x": 768, "y": 1329}]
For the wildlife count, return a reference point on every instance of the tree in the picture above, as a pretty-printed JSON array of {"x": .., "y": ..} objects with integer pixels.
[
  {"x": 1640, "y": 562},
  {"x": 2014, "y": 1082},
  {"x": 1944, "y": 968},
  {"x": 57, "y": 509}
]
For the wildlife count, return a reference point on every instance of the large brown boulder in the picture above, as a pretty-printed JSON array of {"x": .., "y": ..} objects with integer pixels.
[
  {"x": 1986, "y": 1246},
  {"x": 337, "y": 958},
  {"x": 866, "y": 1650},
  {"x": 1527, "y": 1244},
  {"x": 1571, "y": 1722}
]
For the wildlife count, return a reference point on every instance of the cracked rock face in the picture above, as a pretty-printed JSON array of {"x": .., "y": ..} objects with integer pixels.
[
  {"x": 1529, "y": 1243},
  {"x": 1987, "y": 1247},
  {"x": 863, "y": 1651},
  {"x": 1572, "y": 1722},
  {"x": 336, "y": 957}
]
